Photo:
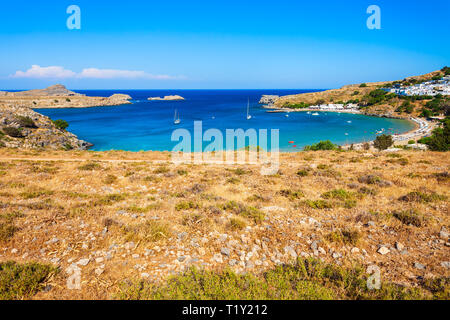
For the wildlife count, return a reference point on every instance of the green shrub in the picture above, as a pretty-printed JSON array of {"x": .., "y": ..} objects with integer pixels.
[
  {"x": 20, "y": 281},
  {"x": 322, "y": 145},
  {"x": 186, "y": 205},
  {"x": 303, "y": 172},
  {"x": 237, "y": 224},
  {"x": 61, "y": 124},
  {"x": 245, "y": 211},
  {"x": 307, "y": 279},
  {"x": 423, "y": 197},
  {"x": 383, "y": 142},
  {"x": 7, "y": 230},
  {"x": 12, "y": 132},
  {"x": 339, "y": 194},
  {"x": 411, "y": 216},
  {"x": 26, "y": 122},
  {"x": 292, "y": 194},
  {"x": 347, "y": 236},
  {"x": 318, "y": 204},
  {"x": 440, "y": 139}
]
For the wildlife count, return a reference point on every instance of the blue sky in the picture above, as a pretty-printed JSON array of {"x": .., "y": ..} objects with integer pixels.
[{"x": 138, "y": 44}]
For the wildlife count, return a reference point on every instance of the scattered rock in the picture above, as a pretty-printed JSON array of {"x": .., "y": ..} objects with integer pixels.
[
  {"x": 83, "y": 262},
  {"x": 383, "y": 250},
  {"x": 289, "y": 250},
  {"x": 419, "y": 266},
  {"x": 129, "y": 245},
  {"x": 355, "y": 250},
  {"x": 443, "y": 234},
  {"x": 399, "y": 246}
]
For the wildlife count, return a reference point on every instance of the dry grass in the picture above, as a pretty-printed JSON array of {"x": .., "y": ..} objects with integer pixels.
[{"x": 95, "y": 203}]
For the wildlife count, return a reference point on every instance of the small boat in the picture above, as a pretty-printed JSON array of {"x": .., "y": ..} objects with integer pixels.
[
  {"x": 309, "y": 112},
  {"x": 287, "y": 116},
  {"x": 176, "y": 118},
  {"x": 248, "y": 110},
  {"x": 349, "y": 121},
  {"x": 315, "y": 114},
  {"x": 291, "y": 142}
]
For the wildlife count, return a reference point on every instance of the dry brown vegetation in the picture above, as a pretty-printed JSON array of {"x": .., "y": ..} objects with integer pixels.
[{"x": 137, "y": 216}]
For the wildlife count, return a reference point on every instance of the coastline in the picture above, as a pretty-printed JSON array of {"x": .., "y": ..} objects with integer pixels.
[{"x": 422, "y": 128}]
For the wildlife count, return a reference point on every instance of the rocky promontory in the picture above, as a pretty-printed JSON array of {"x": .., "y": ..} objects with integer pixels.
[
  {"x": 58, "y": 96},
  {"x": 23, "y": 128}
]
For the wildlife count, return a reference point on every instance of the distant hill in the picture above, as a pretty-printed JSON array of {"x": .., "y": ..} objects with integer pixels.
[{"x": 57, "y": 90}]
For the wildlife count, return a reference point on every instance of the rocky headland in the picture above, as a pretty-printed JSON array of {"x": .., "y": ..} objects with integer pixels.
[
  {"x": 167, "y": 98},
  {"x": 22, "y": 127}
]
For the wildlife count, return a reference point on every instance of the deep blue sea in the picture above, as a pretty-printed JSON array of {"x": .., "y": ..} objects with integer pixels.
[{"x": 148, "y": 125}]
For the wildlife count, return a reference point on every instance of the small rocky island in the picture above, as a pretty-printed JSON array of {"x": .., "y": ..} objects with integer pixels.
[
  {"x": 22, "y": 127},
  {"x": 167, "y": 98}
]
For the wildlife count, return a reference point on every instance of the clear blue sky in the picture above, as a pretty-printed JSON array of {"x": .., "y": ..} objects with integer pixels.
[{"x": 219, "y": 44}]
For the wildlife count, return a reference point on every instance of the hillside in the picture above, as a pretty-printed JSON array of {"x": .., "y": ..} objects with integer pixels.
[
  {"x": 367, "y": 95},
  {"x": 58, "y": 96},
  {"x": 57, "y": 90}
]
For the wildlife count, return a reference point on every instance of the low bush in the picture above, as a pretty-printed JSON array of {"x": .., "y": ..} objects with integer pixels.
[
  {"x": 346, "y": 236},
  {"x": 322, "y": 145},
  {"x": 13, "y": 132},
  {"x": 383, "y": 142},
  {"x": 411, "y": 216},
  {"x": 307, "y": 279},
  {"x": 422, "y": 197},
  {"x": 21, "y": 281},
  {"x": 26, "y": 122},
  {"x": 61, "y": 124}
]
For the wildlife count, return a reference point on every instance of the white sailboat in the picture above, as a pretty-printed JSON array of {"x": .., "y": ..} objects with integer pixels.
[
  {"x": 248, "y": 110},
  {"x": 176, "y": 119}
]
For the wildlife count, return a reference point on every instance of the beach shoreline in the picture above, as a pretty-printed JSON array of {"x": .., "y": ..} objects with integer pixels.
[{"x": 422, "y": 128}]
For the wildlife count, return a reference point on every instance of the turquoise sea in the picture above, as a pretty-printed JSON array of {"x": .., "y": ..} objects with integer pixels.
[{"x": 148, "y": 125}]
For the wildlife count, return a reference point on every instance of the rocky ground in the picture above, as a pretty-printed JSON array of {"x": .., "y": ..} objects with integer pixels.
[
  {"x": 121, "y": 216},
  {"x": 33, "y": 130}
]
